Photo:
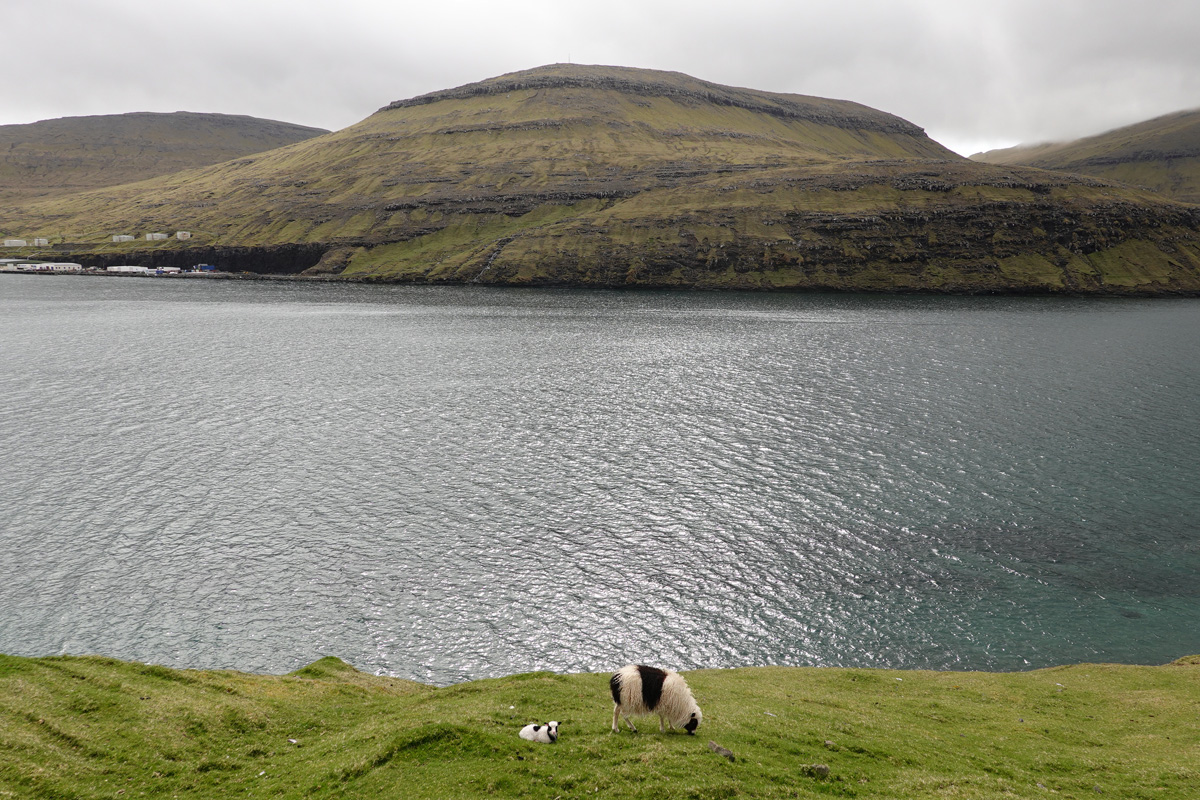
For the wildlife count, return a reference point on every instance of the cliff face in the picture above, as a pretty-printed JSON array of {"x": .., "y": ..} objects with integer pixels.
[
  {"x": 605, "y": 176},
  {"x": 281, "y": 259},
  {"x": 887, "y": 226}
]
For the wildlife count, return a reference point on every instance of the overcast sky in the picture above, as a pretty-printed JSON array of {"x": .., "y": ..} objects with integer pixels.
[{"x": 975, "y": 75}]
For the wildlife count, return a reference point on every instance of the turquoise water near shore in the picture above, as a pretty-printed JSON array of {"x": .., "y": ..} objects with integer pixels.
[{"x": 446, "y": 483}]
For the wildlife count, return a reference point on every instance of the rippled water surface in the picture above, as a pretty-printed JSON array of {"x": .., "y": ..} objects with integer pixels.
[{"x": 453, "y": 483}]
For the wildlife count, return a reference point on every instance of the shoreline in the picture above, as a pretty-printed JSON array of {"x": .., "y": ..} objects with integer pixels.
[
  {"x": 1189, "y": 660},
  {"x": 380, "y": 281}
]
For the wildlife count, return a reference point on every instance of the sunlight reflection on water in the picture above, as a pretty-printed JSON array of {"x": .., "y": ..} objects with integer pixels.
[{"x": 445, "y": 484}]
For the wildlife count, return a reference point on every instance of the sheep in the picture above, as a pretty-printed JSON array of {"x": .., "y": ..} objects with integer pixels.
[
  {"x": 546, "y": 734},
  {"x": 639, "y": 690}
]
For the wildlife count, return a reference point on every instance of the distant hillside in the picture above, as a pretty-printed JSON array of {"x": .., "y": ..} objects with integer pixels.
[
  {"x": 1161, "y": 154},
  {"x": 73, "y": 154},
  {"x": 609, "y": 176}
]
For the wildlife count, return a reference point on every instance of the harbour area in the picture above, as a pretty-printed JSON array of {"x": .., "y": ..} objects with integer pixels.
[{"x": 32, "y": 266}]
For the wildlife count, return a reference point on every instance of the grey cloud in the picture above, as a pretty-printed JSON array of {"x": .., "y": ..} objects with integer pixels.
[{"x": 970, "y": 73}]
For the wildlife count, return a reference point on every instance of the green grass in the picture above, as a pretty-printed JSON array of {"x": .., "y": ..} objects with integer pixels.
[
  {"x": 1032, "y": 269},
  {"x": 93, "y": 727},
  {"x": 1138, "y": 263}
]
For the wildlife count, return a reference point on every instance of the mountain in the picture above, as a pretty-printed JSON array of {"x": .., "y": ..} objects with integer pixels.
[
  {"x": 1161, "y": 154},
  {"x": 74, "y": 154},
  {"x": 610, "y": 176}
]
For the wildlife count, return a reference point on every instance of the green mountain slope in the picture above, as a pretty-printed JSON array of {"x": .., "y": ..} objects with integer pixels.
[
  {"x": 1161, "y": 154},
  {"x": 73, "y": 154},
  {"x": 608, "y": 176}
]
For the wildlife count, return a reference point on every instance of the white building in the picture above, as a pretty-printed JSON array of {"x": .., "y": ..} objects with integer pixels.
[
  {"x": 128, "y": 269},
  {"x": 15, "y": 243},
  {"x": 155, "y": 237},
  {"x": 39, "y": 242},
  {"x": 121, "y": 237},
  {"x": 181, "y": 235}
]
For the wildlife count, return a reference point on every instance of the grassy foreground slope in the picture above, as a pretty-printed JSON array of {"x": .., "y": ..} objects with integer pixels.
[
  {"x": 92, "y": 727},
  {"x": 1161, "y": 154}
]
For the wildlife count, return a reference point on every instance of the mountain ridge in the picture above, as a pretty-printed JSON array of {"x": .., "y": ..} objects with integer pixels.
[
  {"x": 651, "y": 83},
  {"x": 570, "y": 175},
  {"x": 65, "y": 155},
  {"x": 1161, "y": 154}
]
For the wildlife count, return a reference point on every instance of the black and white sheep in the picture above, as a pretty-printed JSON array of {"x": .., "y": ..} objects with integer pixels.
[
  {"x": 546, "y": 734},
  {"x": 638, "y": 690}
]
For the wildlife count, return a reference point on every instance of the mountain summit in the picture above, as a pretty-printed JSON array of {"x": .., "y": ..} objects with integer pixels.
[
  {"x": 611, "y": 176},
  {"x": 678, "y": 87}
]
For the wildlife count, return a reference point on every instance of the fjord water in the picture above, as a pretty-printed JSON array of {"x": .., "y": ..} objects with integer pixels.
[{"x": 452, "y": 483}]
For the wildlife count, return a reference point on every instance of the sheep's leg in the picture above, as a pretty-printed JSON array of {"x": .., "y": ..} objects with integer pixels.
[
  {"x": 660, "y": 723},
  {"x": 616, "y": 728}
]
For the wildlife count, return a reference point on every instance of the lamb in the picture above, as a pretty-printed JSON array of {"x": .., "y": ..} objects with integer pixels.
[
  {"x": 546, "y": 734},
  {"x": 639, "y": 690}
]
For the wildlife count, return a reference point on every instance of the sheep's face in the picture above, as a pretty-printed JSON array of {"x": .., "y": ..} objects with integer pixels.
[{"x": 692, "y": 723}]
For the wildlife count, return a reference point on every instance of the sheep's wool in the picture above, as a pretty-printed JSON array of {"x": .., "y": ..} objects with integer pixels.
[
  {"x": 546, "y": 734},
  {"x": 638, "y": 690}
]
